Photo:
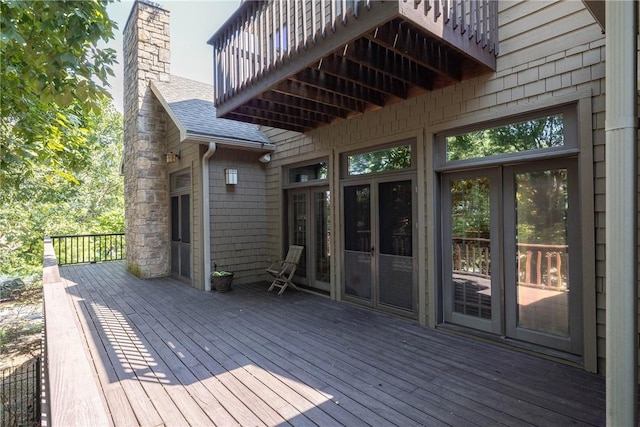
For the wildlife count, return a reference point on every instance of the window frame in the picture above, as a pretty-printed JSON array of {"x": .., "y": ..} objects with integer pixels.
[
  {"x": 344, "y": 159},
  {"x": 286, "y": 184},
  {"x": 570, "y": 129}
]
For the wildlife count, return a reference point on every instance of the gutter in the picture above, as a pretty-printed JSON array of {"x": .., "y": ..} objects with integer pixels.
[
  {"x": 206, "y": 221},
  {"x": 621, "y": 211},
  {"x": 263, "y": 147}
]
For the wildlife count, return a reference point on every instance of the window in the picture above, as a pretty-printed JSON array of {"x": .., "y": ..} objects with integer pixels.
[
  {"x": 534, "y": 136},
  {"x": 181, "y": 181},
  {"x": 388, "y": 159},
  {"x": 308, "y": 173}
]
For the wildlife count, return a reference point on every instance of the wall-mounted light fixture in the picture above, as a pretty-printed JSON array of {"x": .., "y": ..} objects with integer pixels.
[
  {"x": 172, "y": 156},
  {"x": 231, "y": 176},
  {"x": 265, "y": 158}
]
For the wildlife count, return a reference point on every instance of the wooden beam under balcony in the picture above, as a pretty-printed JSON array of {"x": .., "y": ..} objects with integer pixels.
[
  {"x": 303, "y": 64},
  {"x": 340, "y": 66},
  {"x": 340, "y": 86}
]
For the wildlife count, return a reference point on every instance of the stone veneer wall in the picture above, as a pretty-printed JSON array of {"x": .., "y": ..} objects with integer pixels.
[{"x": 146, "y": 57}]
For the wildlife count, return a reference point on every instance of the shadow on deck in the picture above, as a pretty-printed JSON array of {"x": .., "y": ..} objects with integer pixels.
[{"x": 161, "y": 352}]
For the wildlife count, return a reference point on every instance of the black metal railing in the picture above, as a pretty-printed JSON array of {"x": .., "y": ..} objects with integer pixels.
[
  {"x": 89, "y": 248},
  {"x": 20, "y": 395}
]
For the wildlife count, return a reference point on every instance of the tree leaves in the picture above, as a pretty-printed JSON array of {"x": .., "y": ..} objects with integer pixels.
[
  {"x": 90, "y": 201},
  {"x": 52, "y": 76}
]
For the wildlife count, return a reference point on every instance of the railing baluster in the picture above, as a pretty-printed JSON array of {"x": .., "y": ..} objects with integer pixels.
[
  {"x": 250, "y": 30},
  {"x": 333, "y": 15},
  {"x": 455, "y": 14},
  {"x": 479, "y": 35},
  {"x": 323, "y": 17},
  {"x": 445, "y": 11},
  {"x": 259, "y": 36},
  {"x": 484, "y": 24},
  {"x": 268, "y": 19},
  {"x": 472, "y": 18},
  {"x": 240, "y": 50},
  {"x": 344, "y": 11},
  {"x": 305, "y": 26},
  {"x": 281, "y": 53},
  {"x": 314, "y": 23},
  {"x": 296, "y": 27}
]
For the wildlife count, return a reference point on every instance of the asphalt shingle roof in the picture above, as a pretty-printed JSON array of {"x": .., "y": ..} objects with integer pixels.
[{"x": 192, "y": 103}]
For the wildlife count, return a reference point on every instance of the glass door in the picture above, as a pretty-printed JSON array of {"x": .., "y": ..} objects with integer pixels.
[
  {"x": 298, "y": 231},
  {"x": 309, "y": 227},
  {"x": 511, "y": 252},
  {"x": 379, "y": 264},
  {"x": 395, "y": 241},
  {"x": 471, "y": 287},
  {"x": 542, "y": 281},
  {"x": 358, "y": 247},
  {"x": 321, "y": 239}
]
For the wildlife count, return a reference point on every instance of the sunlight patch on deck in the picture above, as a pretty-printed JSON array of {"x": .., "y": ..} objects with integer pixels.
[{"x": 134, "y": 358}]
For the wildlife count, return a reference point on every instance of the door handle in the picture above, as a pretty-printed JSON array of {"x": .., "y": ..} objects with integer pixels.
[{"x": 373, "y": 250}]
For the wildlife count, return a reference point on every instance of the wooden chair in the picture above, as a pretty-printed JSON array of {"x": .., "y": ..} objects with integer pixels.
[{"x": 283, "y": 271}]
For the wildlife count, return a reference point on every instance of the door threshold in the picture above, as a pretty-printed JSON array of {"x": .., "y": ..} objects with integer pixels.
[{"x": 533, "y": 349}]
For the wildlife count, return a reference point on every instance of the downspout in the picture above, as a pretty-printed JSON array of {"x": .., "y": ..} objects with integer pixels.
[
  {"x": 206, "y": 220},
  {"x": 621, "y": 210}
]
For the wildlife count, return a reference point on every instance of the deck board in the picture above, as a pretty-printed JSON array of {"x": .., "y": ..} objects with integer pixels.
[{"x": 164, "y": 353}]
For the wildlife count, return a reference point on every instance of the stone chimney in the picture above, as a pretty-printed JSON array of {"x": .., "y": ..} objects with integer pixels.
[{"x": 146, "y": 57}]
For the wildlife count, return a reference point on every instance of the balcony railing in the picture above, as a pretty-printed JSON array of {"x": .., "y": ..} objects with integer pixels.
[
  {"x": 538, "y": 265},
  {"x": 305, "y": 63},
  {"x": 89, "y": 248}
]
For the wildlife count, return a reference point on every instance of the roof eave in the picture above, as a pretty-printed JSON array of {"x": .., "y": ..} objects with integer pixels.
[{"x": 261, "y": 147}]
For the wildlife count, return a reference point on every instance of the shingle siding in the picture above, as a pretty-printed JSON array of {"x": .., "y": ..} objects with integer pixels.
[
  {"x": 548, "y": 50},
  {"x": 238, "y": 216}
]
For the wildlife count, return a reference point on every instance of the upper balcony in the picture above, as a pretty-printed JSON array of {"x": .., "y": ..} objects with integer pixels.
[{"x": 299, "y": 65}]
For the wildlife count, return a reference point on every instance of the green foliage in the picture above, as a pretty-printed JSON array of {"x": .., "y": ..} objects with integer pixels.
[
  {"x": 221, "y": 274},
  {"x": 470, "y": 208},
  {"x": 395, "y": 158},
  {"x": 535, "y": 134},
  {"x": 53, "y": 75},
  {"x": 93, "y": 204},
  {"x": 541, "y": 197}
]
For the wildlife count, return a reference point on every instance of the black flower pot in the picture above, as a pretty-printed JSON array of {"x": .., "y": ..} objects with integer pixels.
[{"x": 222, "y": 283}]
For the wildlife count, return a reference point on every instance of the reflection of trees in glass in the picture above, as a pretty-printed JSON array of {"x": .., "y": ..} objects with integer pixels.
[
  {"x": 470, "y": 207},
  {"x": 357, "y": 218},
  {"x": 541, "y": 207},
  {"x": 535, "y": 134},
  {"x": 379, "y": 161}
]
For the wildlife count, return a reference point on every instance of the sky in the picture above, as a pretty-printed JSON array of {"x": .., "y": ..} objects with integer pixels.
[{"x": 192, "y": 24}]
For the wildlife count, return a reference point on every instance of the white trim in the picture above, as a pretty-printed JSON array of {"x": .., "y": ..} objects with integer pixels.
[
  {"x": 206, "y": 217},
  {"x": 165, "y": 105},
  {"x": 621, "y": 207},
  {"x": 230, "y": 143}
]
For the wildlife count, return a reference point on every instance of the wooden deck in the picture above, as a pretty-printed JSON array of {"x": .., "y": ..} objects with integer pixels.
[{"x": 163, "y": 353}]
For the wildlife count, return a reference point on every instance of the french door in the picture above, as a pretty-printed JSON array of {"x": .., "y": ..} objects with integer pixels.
[
  {"x": 379, "y": 244},
  {"x": 511, "y": 252},
  {"x": 181, "y": 236},
  {"x": 309, "y": 225}
]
